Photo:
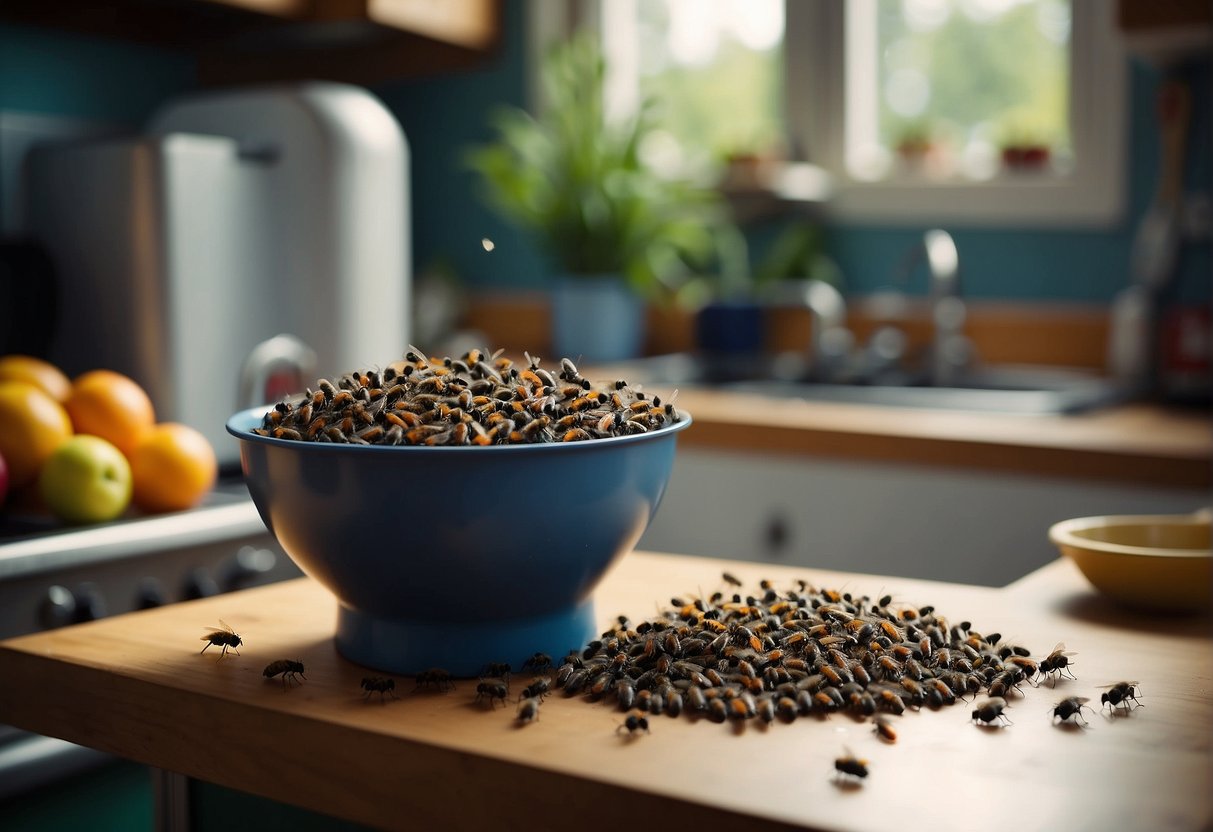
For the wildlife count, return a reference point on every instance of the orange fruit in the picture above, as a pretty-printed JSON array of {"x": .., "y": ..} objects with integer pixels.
[
  {"x": 32, "y": 427},
  {"x": 35, "y": 371},
  {"x": 172, "y": 467},
  {"x": 110, "y": 405}
]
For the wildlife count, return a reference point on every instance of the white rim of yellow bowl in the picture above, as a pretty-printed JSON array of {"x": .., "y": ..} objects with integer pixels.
[{"x": 1063, "y": 533}]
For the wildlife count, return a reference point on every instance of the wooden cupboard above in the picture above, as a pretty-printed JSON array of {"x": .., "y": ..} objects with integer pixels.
[
  {"x": 243, "y": 41},
  {"x": 1166, "y": 32}
]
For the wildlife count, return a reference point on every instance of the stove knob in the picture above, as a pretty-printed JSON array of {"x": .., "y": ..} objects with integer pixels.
[
  {"x": 243, "y": 569},
  {"x": 90, "y": 605},
  {"x": 58, "y": 607},
  {"x": 149, "y": 594},
  {"x": 200, "y": 584}
]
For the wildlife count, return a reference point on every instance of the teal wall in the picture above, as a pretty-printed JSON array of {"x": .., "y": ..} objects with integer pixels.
[
  {"x": 220, "y": 809},
  {"x": 114, "y": 798},
  {"x": 51, "y": 72},
  {"x": 442, "y": 117},
  {"x": 43, "y": 71}
]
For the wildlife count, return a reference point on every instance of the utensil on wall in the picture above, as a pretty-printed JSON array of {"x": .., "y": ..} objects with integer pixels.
[
  {"x": 1156, "y": 245},
  {"x": 1134, "y": 327},
  {"x": 1129, "y": 334}
]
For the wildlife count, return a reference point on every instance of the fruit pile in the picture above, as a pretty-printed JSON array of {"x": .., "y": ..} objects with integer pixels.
[{"x": 87, "y": 448}]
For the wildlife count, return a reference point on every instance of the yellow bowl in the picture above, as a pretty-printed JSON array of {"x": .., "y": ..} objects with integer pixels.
[{"x": 1157, "y": 562}]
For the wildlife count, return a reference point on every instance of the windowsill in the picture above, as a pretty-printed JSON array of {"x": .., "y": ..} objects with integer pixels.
[
  {"x": 775, "y": 188},
  {"x": 1023, "y": 199}
]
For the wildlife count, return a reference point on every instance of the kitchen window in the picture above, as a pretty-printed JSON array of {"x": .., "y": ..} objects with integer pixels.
[{"x": 976, "y": 112}]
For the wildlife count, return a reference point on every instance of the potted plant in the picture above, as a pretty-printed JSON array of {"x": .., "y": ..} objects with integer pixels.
[
  {"x": 1023, "y": 142},
  {"x": 914, "y": 143},
  {"x": 798, "y": 252},
  {"x": 732, "y": 296},
  {"x": 616, "y": 230}
]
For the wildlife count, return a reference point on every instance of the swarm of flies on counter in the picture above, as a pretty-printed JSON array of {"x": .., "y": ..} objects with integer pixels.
[
  {"x": 471, "y": 400},
  {"x": 775, "y": 656},
  {"x": 778, "y": 655}
]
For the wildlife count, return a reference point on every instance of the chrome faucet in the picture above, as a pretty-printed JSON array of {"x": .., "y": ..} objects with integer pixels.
[
  {"x": 951, "y": 351},
  {"x": 830, "y": 341}
]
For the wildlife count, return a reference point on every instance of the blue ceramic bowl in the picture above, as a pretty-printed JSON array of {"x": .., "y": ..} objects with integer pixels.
[{"x": 455, "y": 557}]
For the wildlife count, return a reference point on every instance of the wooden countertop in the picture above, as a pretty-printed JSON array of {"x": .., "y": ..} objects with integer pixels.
[
  {"x": 136, "y": 685},
  {"x": 1140, "y": 444}
]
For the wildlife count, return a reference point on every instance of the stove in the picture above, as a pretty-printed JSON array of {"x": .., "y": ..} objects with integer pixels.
[{"x": 51, "y": 576}]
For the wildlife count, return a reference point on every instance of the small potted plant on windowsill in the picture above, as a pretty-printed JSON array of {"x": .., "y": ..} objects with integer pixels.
[
  {"x": 614, "y": 228},
  {"x": 1023, "y": 143},
  {"x": 1031, "y": 156},
  {"x": 915, "y": 143},
  {"x": 733, "y": 299}
]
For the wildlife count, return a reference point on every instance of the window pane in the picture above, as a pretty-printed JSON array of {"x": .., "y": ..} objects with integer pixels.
[
  {"x": 715, "y": 70},
  {"x": 947, "y": 87}
]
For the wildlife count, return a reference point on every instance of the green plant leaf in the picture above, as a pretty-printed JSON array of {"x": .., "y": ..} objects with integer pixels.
[{"x": 579, "y": 184}]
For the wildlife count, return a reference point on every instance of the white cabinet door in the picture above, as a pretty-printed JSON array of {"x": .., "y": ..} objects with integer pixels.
[{"x": 915, "y": 521}]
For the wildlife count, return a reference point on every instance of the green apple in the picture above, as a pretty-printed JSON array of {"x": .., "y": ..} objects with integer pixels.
[{"x": 86, "y": 480}]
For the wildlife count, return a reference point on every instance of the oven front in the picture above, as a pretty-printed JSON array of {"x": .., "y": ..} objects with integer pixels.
[{"x": 53, "y": 577}]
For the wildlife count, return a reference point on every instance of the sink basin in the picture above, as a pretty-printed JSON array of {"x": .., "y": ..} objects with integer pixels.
[{"x": 996, "y": 388}]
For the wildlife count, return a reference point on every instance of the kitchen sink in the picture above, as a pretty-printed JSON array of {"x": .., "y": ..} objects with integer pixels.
[{"x": 993, "y": 388}]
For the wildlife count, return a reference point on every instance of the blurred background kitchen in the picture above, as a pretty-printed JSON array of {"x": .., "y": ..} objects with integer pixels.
[
  {"x": 924, "y": 208},
  {"x": 930, "y": 274},
  {"x": 882, "y": 202}
]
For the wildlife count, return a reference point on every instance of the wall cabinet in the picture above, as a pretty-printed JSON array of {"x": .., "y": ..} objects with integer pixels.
[
  {"x": 915, "y": 521},
  {"x": 1166, "y": 31},
  {"x": 243, "y": 41}
]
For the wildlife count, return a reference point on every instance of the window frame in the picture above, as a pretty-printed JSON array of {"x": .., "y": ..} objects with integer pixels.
[{"x": 1092, "y": 194}]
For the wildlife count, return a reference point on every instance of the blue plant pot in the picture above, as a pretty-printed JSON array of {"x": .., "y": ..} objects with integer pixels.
[
  {"x": 596, "y": 319},
  {"x": 731, "y": 328}
]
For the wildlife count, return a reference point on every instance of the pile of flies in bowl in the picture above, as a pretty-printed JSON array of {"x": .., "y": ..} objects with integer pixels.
[
  {"x": 476, "y": 399},
  {"x": 781, "y": 654}
]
